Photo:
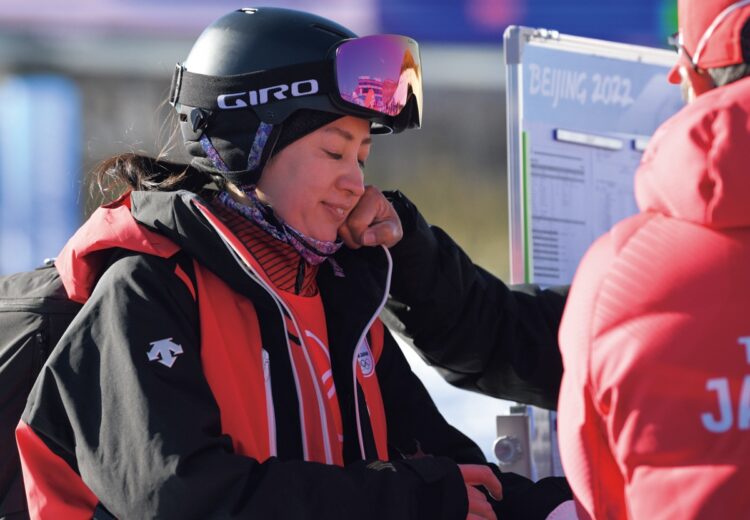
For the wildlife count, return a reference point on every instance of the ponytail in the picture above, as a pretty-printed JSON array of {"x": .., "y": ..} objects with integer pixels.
[{"x": 130, "y": 171}]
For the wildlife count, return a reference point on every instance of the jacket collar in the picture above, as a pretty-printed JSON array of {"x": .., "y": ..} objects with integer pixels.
[{"x": 181, "y": 216}]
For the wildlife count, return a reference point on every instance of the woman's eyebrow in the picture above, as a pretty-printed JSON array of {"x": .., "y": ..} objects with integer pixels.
[{"x": 346, "y": 135}]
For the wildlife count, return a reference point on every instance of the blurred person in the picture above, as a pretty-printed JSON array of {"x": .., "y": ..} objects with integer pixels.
[
  {"x": 655, "y": 402},
  {"x": 654, "y": 411},
  {"x": 228, "y": 360}
]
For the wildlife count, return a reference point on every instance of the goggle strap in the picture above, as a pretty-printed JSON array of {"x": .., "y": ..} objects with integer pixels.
[
  {"x": 213, "y": 154},
  {"x": 199, "y": 90},
  {"x": 259, "y": 143},
  {"x": 263, "y": 143}
]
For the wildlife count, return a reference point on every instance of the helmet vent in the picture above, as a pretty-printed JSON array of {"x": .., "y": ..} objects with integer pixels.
[
  {"x": 331, "y": 30},
  {"x": 248, "y": 10}
]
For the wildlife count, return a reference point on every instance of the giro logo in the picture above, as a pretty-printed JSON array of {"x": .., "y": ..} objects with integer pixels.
[{"x": 264, "y": 95}]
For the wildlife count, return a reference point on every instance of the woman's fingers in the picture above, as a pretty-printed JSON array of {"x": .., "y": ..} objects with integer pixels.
[
  {"x": 480, "y": 475},
  {"x": 478, "y": 504},
  {"x": 372, "y": 222}
]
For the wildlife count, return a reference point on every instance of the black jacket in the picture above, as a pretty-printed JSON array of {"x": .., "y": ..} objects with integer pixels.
[
  {"x": 481, "y": 334},
  {"x": 146, "y": 440}
]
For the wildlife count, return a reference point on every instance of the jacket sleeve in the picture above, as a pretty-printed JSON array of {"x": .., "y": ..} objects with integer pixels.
[
  {"x": 144, "y": 432},
  {"x": 415, "y": 426},
  {"x": 481, "y": 334},
  {"x": 417, "y": 429}
]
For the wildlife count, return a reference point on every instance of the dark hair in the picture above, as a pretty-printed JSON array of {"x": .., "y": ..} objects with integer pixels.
[
  {"x": 130, "y": 171},
  {"x": 731, "y": 73}
]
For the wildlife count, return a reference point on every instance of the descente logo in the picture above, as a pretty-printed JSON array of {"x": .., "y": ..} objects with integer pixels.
[{"x": 262, "y": 96}]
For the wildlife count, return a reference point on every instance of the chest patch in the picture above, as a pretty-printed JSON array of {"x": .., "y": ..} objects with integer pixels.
[{"x": 365, "y": 359}]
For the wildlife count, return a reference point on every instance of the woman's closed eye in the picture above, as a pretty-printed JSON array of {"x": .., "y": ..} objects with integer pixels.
[
  {"x": 333, "y": 155},
  {"x": 337, "y": 157}
]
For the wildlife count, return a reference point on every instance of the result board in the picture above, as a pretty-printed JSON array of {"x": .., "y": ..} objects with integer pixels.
[{"x": 580, "y": 114}]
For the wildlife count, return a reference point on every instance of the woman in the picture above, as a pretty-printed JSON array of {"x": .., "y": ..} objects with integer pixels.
[{"x": 228, "y": 361}]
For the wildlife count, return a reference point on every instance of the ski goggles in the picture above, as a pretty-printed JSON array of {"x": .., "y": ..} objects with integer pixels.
[
  {"x": 377, "y": 77},
  {"x": 381, "y": 73}
]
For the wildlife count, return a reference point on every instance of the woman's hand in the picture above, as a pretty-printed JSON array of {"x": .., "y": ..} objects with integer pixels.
[
  {"x": 478, "y": 475},
  {"x": 372, "y": 222}
]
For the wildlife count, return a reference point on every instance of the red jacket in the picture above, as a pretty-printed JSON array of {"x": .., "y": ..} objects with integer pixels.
[{"x": 655, "y": 400}]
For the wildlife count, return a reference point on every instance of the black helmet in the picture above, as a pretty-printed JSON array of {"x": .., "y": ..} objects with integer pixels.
[{"x": 252, "y": 69}]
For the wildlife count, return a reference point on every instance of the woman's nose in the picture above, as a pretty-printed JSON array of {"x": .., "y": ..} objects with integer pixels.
[{"x": 353, "y": 180}]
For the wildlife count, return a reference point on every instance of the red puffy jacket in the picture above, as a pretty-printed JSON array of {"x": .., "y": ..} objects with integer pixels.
[{"x": 655, "y": 400}]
